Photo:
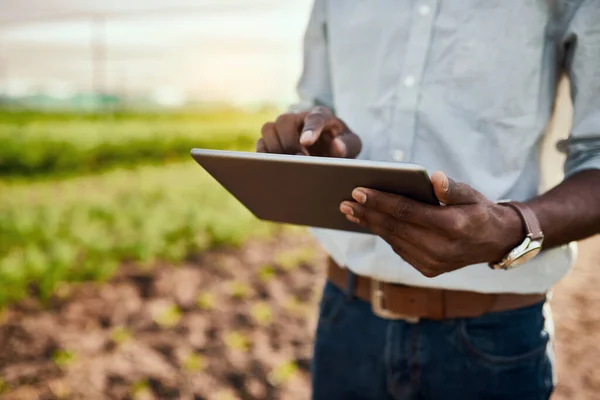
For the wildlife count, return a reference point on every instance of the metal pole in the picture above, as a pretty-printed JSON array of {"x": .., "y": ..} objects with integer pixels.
[
  {"x": 3, "y": 77},
  {"x": 98, "y": 48}
]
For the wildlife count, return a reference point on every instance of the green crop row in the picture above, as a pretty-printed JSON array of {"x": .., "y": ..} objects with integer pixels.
[
  {"x": 84, "y": 228},
  {"x": 48, "y": 144}
]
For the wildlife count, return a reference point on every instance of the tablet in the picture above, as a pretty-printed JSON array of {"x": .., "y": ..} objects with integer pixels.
[{"x": 303, "y": 190}]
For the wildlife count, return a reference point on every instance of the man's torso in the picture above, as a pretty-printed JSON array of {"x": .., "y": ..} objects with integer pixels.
[{"x": 465, "y": 87}]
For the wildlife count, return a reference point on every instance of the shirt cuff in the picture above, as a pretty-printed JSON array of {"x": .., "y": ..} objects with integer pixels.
[{"x": 581, "y": 161}]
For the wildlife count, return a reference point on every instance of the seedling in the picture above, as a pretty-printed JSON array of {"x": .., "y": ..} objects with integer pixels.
[
  {"x": 63, "y": 358},
  {"x": 292, "y": 259},
  {"x": 206, "y": 301},
  {"x": 282, "y": 374},
  {"x": 239, "y": 290},
  {"x": 193, "y": 362},
  {"x": 120, "y": 335},
  {"x": 262, "y": 314},
  {"x": 237, "y": 341},
  {"x": 3, "y": 386},
  {"x": 295, "y": 306},
  {"x": 141, "y": 390},
  {"x": 266, "y": 273},
  {"x": 169, "y": 317}
]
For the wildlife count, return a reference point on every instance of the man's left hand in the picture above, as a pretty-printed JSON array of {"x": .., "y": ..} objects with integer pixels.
[{"x": 468, "y": 228}]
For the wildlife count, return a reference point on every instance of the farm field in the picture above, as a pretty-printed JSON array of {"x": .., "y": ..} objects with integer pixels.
[
  {"x": 36, "y": 144},
  {"x": 232, "y": 324},
  {"x": 128, "y": 273}
]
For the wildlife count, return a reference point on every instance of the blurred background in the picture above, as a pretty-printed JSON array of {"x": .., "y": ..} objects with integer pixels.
[{"x": 125, "y": 271}]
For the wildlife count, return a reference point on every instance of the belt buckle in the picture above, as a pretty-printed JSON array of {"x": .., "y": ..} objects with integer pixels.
[{"x": 377, "y": 297}]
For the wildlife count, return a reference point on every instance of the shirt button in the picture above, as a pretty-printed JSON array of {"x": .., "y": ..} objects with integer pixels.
[
  {"x": 409, "y": 81},
  {"x": 398, "y": 155},
  {"x": 424, "y": 10}
]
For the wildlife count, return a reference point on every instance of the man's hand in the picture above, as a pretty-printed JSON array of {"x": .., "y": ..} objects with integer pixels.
[
  {"x": 314, "y": 133},
  {"x": 468, "y": 230}
]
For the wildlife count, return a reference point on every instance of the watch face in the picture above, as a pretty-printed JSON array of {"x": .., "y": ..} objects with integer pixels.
[{"x": 532, "y": 250}]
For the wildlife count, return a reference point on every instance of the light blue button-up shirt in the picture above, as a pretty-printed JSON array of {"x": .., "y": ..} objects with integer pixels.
[{"x": 462, "y": 86}]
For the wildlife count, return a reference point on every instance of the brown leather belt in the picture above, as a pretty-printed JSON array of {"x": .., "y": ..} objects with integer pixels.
[{"x": 410, "y": 303}]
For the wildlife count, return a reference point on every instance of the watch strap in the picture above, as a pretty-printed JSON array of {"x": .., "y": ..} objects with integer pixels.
[{"x": 530, "y": 220}]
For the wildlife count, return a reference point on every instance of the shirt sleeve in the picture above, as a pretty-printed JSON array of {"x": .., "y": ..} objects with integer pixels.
[
  {"x": 314, "y": 86},
  {"x": 582, "y": 64}
]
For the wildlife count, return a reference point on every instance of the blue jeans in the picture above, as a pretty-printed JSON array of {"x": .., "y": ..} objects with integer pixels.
[{"x": 357, "y": 355}]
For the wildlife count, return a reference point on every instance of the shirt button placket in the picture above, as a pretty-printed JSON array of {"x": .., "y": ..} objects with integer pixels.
[{"x": 403, "y": 137}]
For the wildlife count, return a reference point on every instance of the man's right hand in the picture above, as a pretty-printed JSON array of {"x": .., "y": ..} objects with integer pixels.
[{"x": 314, "y": 133}]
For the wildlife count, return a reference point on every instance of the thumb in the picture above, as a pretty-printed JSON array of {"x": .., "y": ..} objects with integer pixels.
[{"x": 454, "y": 193}]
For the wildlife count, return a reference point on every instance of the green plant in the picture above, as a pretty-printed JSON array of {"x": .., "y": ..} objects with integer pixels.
[
  {"x": 62, "y": 231},
  {"x": 169, "y": 317},
  {"x": 289, "y": 260},
  {"x": 40, "y": 144},
  {"x": 282, "y": 374},
  {"x": 193, "y": 362},
  {"x": 120, "y": 335},
  {"x": 237, "y": 341},
  {"x": 63, "y": 358},
  {"x": 239, "y": 290},
  {"x": 262, "y": 313},
  {"x": 266, "y": 273},
  {"x": 206, "y": 301},
  {"x": 141, "y": 390},
  {"x": 4, "y": 387},
  {"x": 295, "y": 306}
]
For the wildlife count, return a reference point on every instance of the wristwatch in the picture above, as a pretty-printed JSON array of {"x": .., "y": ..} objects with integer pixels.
[{"x": 531, "y": 246}]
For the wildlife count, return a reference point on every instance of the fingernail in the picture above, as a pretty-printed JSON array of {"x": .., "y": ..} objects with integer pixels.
[
  {"x": 352, "y": 219},
  {"x": 445, "y": 183},
  {"x": 340, "y": 147},
  {"x": 346, "y": 209},
  {"x": 306, "y": 136},
  {"x": 359, "y": 195}
]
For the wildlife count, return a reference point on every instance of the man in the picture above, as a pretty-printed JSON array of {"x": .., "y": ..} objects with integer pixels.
[{"x": 466, "y": 88}]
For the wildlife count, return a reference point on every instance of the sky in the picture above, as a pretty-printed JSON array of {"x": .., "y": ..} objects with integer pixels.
[{"x": 241, "y": 51}]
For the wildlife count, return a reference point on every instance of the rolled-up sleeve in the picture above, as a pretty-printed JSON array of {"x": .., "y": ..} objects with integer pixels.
[
  {"x": 314, "y": 86},
  {"x": 582, "y": 64}
]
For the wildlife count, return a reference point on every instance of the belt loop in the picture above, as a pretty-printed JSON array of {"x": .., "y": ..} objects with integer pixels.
[{"x": 350, "y": 285}]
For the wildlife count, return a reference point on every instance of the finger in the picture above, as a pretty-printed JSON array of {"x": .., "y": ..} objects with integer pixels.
[
  {"x": 314, "y": 123},
  {"x": 380, "y": 224},
  {"x": 288, "y": 127},
  {"x": 419, "y": 247},
  {"x": 454, "y": 193},
  {"x": 271, "y": 140},
  {"x": 392, "y": 229},
  {"x": 260, "y": 146},
  {"x": 405, "y": 209},
  {"x": 347, "y": 144}
]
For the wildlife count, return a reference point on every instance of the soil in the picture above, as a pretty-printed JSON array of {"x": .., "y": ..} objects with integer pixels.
[{"x": 231, "y": 324}]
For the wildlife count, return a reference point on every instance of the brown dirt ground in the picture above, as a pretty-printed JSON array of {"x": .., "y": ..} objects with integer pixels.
[{"x": 215, "y": 328}]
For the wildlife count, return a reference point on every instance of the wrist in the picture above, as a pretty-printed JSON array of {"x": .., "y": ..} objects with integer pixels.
[{"x": 512, "y": 231}]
